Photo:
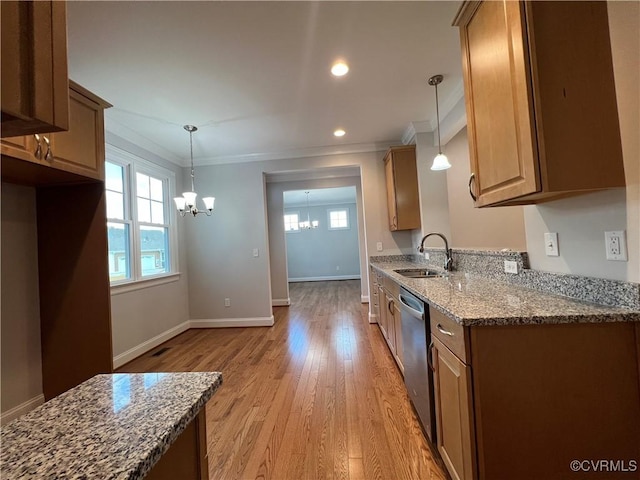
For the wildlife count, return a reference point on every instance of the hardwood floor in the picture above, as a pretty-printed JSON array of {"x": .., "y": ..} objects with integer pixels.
[{"x": 317, "y": 395}]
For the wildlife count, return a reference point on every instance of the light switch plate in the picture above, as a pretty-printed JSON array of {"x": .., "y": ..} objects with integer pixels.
[
  {"x": 551, "y": 244},
  {"x": 256, "y": 252}
]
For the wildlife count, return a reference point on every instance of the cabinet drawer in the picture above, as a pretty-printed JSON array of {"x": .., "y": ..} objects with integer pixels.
[{"x": 453, "y": 335}]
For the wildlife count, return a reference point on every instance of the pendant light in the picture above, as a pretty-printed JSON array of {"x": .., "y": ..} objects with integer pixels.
[
  {"x": 440, "y": 162},
  {"x": 308, "y": 224},
  {"x": 187, "y": 202}
]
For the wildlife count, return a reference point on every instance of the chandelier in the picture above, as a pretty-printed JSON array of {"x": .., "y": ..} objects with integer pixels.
[
  {"x": 187, "y": 202},
  {"x": 308, "y": 224}
]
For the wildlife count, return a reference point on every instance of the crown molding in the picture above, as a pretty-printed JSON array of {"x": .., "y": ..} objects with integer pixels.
[
  {"x": 124, "y": 132},
  {"x": 307, "y": 152},
  {"x": 409, "y": 136},
  {"x": 313, "y": 174}
]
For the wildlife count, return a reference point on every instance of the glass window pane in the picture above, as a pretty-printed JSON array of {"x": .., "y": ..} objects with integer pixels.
[
  {"x": 113, "y": 177},
  {"x": 156, "y": 189},
  {"x": 154, "y": 250},
  {"x": 115, "y": 205},
  {"x": 144, "y": 210},
  {"x": 119, "y": 255},
  {"x": 142, "y": 182},
  {"x": 157, "y": 212}
]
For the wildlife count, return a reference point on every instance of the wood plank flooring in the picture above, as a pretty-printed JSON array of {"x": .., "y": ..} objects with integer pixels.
[{"x": 316, "y": 396}]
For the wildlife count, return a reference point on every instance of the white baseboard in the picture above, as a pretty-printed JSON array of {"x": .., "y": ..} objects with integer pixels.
[
  {"x": 21, "y": 409},
  {"x": 144, "y": 347},
  {"x": 364, "y": 298},
  {"x": 324, "y": 279},
  {"x": 373, "y": 318},
  {"x": 233, "y": 322},
  {"x": 280, "y": 302}
]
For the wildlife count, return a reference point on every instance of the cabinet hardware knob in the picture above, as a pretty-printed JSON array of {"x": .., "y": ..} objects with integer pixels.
[
  {"x": 471, "y": 179},
  {"x": 49, "y": 155},
  {"x": 38, "y": 152},
  {"x": 443, "y": 331}
]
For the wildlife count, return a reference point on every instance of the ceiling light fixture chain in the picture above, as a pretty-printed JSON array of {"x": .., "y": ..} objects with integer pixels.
[
  {"x": 440, "y": 162},
  {"x": 187, "y": 202}
]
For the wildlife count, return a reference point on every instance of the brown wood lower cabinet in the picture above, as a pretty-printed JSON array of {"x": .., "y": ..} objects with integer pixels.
[
  {"x": 187, "y": 458},
  {"x": 389, "y": 317},
  {"x": 530, "y": 399},
  {"x": 454, "y": 412}
]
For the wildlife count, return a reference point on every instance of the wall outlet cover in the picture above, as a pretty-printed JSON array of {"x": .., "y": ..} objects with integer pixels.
[
  {"x": 379, "y": 246},
  {"x": 426, "y": 255},
  {"x": 616, "y": 245},
  {"x": 227, "y": 302},
  {"x": 510, "y": 266}
]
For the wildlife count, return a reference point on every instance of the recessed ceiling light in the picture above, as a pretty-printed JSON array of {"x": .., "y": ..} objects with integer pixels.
[
  {"x": 339, "y": 69},
  {"x": 339, "y": 133}
]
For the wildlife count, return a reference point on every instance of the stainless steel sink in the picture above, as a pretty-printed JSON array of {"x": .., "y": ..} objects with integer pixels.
[{"x": 419, "y": 273}]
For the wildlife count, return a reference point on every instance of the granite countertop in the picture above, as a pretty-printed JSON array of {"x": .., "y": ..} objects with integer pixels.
[
  {"x": 475, "y": 300},
  {"x": 109, "y": 427}
]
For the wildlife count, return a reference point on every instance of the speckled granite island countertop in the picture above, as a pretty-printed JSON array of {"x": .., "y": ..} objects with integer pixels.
[
  {"x": 109, "y": 427},
  {"x": 475, "y": 300}
]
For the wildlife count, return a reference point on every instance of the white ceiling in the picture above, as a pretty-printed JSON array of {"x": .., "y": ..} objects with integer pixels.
[
  {"x": 254, "y": 76},
  {"x": 321, "y": 196}
]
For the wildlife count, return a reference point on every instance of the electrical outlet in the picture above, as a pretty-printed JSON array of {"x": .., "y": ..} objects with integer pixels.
[
  {"x": 256, "y": 252},
  {"x": 426, "y": 255},
  {"x": 616, "y": 245},
  {"x": 510, "y": 266},
  {"x": 551, "y": 244},
  {"x": 227, "y": 302},
  {"x": 379, "y": 246},
  {"x": 337, "y": 267}
]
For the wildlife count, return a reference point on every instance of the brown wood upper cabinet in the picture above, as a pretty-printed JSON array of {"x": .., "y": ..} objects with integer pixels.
[
  {"x": 34, "y": 67},
  {"x": 403, "y": 201},
  {"x": 542, "y": 115},
  {"x": 79, "y": 151}
]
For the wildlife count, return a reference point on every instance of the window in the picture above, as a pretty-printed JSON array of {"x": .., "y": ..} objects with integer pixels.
[
  {"x": 339, "y": 219},
  {"x": 291, "y": 222},
  {"x": 140, "y": 232}
]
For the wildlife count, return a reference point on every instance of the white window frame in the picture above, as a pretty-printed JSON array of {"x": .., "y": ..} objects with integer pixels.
[
  {"x": 292, "y": 212},
  {"x": 134, "y": 164},
  {"x": 342, "y": 209}
]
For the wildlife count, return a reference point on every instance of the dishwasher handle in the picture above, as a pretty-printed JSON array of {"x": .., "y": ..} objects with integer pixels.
[{"x": 406, "y": 305}]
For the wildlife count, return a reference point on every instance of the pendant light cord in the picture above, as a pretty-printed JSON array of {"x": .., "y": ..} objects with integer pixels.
[
  {"x": 193, "y": 188},
  {"x": 438, "y": 120}
]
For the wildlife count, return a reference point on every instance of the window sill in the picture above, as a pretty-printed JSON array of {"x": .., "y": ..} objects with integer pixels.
[{"x": 147, "y": 283}]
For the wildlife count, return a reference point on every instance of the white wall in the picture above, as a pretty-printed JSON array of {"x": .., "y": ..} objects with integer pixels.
[
  {"x": 432, "y": 186},
  {"x": 581, "y": 221},
  {"x": 320, "y": 252},
  {"x": 143, "y": 318},
  {"x": 220, "y": 256},
  {"x": 21, "y": 360},
  {"x": 492, "y": 228}
]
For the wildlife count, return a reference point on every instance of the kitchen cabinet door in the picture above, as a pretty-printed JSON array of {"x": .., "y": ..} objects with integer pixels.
[
  {"x": 34, "y": 67},
  {"x": 454, "y": 413},
  {"x": 538, "y": 79},
  {"x": 25, "y": 147},
  {"x": 81, "y": 149},
  {"x": 382, "y": 317},
  {"x": 390, "y": 324},
  {"x": 403, "y": 202}
]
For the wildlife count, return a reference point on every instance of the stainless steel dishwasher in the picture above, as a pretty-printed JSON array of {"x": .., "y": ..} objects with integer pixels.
[{"x": 418, "y": 377}]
